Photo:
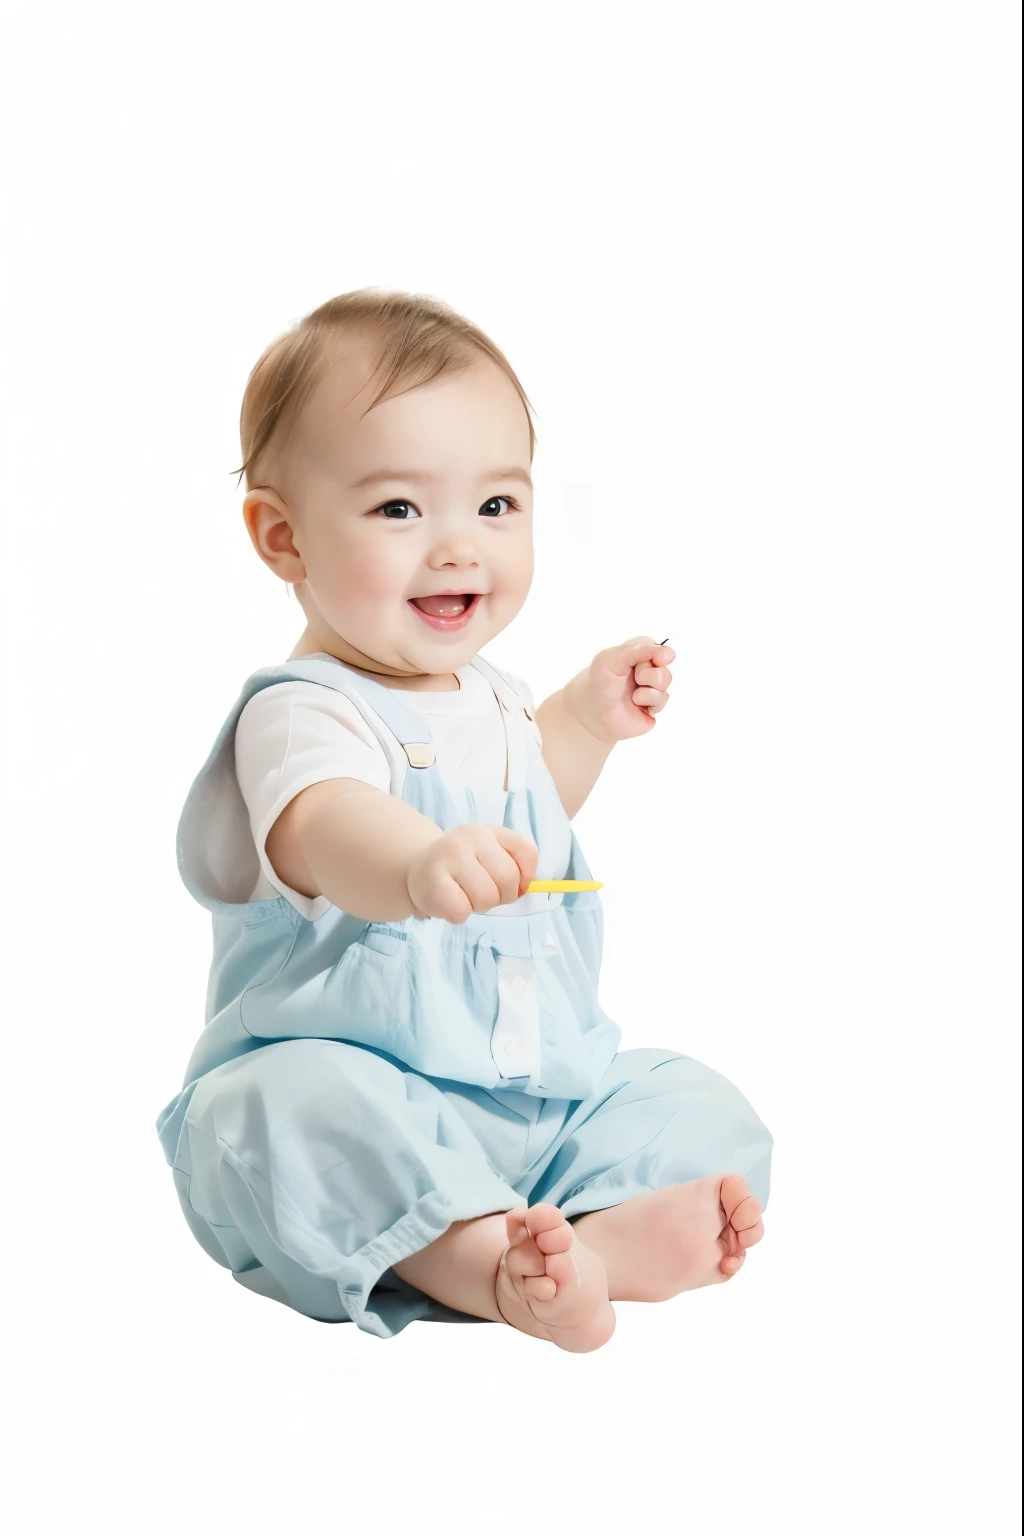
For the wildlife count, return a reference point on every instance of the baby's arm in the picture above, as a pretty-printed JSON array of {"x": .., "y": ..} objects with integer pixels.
[
  {"x": 375, "y": 857},
  {"x": 348, "y": 841},
  {"x": 574, "y": 756},
  {"x": 616, "y": 697}
]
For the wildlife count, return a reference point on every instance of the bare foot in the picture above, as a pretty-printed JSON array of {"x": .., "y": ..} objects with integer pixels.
[
  {"x": 551, "y": 1285},
  {"x": 674, "y": 1239}
]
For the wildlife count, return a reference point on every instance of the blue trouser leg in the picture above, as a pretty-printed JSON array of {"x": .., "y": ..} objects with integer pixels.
[{"x": 657, "y": 1120}]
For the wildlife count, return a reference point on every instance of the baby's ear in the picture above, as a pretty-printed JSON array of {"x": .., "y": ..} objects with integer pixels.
[{"x": 269, "y": 524}]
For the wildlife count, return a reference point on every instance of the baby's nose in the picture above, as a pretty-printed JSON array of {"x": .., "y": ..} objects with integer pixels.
[{"x": 458, "y": 554}]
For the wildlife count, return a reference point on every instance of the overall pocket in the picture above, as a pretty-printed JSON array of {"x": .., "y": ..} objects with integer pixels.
[
  {"x": 366, "y": 993},
  {"x": 424, "y": 994}
]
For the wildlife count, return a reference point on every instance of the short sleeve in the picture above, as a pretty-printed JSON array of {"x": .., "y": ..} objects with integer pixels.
[{"x": 292, "y": 735}]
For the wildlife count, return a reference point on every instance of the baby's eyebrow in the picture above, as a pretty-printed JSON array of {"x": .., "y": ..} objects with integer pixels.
[{"x": 514, "y": 472}]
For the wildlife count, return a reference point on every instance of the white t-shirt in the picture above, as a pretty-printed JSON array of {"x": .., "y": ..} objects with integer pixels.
[{"x": 292, "y": 735}]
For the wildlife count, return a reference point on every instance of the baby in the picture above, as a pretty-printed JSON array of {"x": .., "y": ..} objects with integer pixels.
[{"x": 407, "y": 1101}]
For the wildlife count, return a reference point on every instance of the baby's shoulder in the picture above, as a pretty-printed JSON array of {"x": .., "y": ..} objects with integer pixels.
[{"x": 297, "y": 708}]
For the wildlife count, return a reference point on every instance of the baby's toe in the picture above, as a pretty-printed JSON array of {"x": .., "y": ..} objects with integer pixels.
[
  {"x": 557, "y": 1239},
  {"x": 540, "y": 1288},
  {"x": 748, "y": 1236},
  {"x": 515, "y": 1223},
  {"x": 545, "y": 1218},
  {"x": 742, "y": 1210},
  {"x": 733, "y": 1191},
  {"x": 732, "y": 1264},
  {"x": 522, "y": 1257},
  {"x": 562, "y": 1268},
  {"x": 744, "y": 1215}
]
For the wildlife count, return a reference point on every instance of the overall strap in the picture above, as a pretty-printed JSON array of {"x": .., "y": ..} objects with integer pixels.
[
  {"x": 502, "y": 687},
  {"x": 409, "y": 730},
  {"x": 512, "y": 712}
]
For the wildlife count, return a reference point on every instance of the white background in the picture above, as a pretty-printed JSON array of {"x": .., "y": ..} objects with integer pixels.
[{"x": 756, "y": 266}]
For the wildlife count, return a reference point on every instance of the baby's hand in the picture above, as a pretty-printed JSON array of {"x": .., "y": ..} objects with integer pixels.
[
  {"x": 622, "y": 690},
  {"x": 470, "y": 869}
]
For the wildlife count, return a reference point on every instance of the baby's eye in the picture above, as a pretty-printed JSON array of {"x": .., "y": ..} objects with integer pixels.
[
  {"x": 396, "y": 510},
  {"x": 489, "y": 507}
]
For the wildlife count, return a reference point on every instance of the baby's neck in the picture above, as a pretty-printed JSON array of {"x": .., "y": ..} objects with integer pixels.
[
  {"x": 422, "y": 682},
  {"x": 426, "y": 682}
]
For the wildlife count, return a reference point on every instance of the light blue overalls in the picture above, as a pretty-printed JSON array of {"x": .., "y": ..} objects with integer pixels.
[{"x": 359, "y": 1086}]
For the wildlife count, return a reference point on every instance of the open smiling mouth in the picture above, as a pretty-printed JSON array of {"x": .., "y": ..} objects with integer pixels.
[{"x": 447, "y": 610}]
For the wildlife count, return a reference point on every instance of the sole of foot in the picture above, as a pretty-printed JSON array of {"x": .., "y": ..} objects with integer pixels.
[
  {"x": 675, "y": 1239},
  {"x": 550, "y": 1284}
]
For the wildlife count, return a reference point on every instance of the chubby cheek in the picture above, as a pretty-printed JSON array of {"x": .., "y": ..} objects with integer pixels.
[
  {"x": 515, "y": 577},
  {"x": 360, "y": 579}
]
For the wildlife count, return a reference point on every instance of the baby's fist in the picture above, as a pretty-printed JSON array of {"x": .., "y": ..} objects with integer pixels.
[
  {"x": 622, "y": 690},
  {"x": 472, "y": 868}
]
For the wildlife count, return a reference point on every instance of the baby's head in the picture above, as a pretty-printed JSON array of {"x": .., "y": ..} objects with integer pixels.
[{"x": 387, "y": 447}]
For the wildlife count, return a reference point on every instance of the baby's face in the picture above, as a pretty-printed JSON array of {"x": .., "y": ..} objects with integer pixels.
[{"x": 427, "y": 494}]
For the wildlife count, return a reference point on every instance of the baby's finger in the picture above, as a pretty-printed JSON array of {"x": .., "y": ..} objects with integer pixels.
[
  {"x": 619, "y": 658},
  {"x": 479, "y": 886},
  {"x": 650, "y": 699},
  {"x": 653, "y": 677},
  {"x": 522, "y": 850},
  {"x": 452, "y": 903},
  {"x": 503, "y": 870}
]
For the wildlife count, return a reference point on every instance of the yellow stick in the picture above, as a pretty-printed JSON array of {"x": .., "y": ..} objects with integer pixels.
[{"x": 563, "y": 885}]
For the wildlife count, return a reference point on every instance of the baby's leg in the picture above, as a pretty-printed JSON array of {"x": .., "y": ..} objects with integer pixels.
[
  {"x": 459, "y": 1268},
  {"x": 525, "y": 1268},
  {"x": 314, "y": 1166},
  {"x": 663, "y": 1174}
]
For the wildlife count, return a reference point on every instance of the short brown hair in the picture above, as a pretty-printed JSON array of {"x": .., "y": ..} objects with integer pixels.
[{"x": 417, "y": 337}]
